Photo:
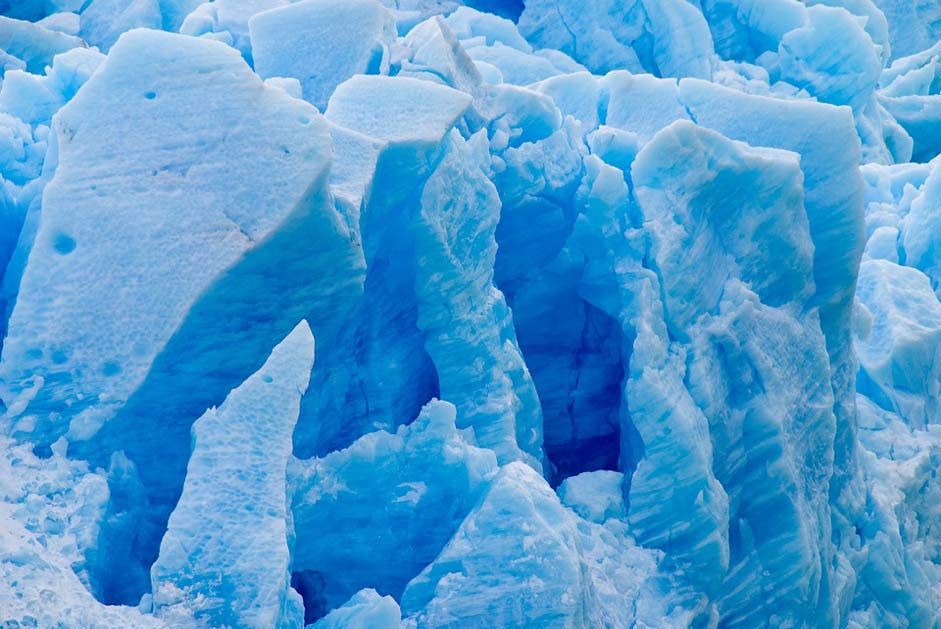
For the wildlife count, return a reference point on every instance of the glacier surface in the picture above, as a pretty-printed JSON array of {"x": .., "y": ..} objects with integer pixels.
[{"x": 627, "y": 313}]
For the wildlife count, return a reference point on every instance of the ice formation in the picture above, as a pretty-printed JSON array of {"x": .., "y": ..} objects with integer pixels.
[{"x": 627, "y": 313}]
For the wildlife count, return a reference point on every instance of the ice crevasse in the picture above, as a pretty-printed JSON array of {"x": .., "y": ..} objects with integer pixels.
[{"x": 442, "y": 313}]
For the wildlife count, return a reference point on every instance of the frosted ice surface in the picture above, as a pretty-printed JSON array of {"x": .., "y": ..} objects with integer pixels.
[
  {"x": 225, "y": 554},
  {"x": 628, "y": 313}
]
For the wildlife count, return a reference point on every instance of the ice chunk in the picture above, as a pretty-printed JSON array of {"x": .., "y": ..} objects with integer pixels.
[
  {"x": 397, "y": 109},
  {"x": 522, "y": 68},
  {"x": 35, "y": 98},
  {"x": 181, "y": 242},
  {"x": 400, "y": 496},
  {"x": 322, "y": 43},
  {"x": 62, "y": 22},
  {"x": 595, "y": 496},
  {"x": 33, "y": 44},
  {"x": 383, "y": 374},
  {"x": 39, "y": 589},
  {"x": 228, "y": 19},
  {"x": 466, "y": 23},
  {"x": 826, "y": 140},
  {"x": 103, "y": 21},
  {"x": 469, "y": 330},
  {"x": 921, "y": 228},
  {"x": 225, "y": 554},
  {"x": 667, "y": 38},
  {"x": 436, "y": 54},
  {"x": 521, "y": 558},
  {"x": 697, "y": 243},
  {"x": 913, "y": 26},
  {"x": 901, "y": 358},
  {"x": 901, "y": 568},
  {"x": 641, "y": 104},
  {"x": 753, "y": 367},
  {"x": 365, "y": 610},
  {"x": 843, "y": 73}
]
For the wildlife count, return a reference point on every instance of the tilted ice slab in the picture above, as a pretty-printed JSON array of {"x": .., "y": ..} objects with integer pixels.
[
  {"x": 221, "y": 234},
  {"x": 196, "y": 206},
  {"x": 322, "y": 43},
  {"x": 225, "y": 555}
]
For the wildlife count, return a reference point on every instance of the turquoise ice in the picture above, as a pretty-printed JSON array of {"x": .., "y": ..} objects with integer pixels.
[{"x": 627, "y": 314}]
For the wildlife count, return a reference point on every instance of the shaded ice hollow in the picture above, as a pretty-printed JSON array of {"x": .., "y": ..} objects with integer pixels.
[{"x": 627, "y": 314}]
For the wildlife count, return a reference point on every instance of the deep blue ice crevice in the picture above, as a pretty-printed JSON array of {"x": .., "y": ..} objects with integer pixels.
[{"x": 381, "y": 374}]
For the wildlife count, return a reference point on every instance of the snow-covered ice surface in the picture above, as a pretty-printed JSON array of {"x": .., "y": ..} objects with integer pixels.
[{"x": 627, "y": 313}]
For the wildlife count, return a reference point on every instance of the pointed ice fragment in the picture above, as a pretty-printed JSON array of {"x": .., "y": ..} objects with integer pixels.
[{"x": 225, "y": 555}]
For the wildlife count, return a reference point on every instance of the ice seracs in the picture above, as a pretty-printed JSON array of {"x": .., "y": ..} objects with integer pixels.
[{"x": 627, "y": 313}]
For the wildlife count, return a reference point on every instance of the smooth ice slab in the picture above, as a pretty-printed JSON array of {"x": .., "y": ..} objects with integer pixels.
[
  {"x": 322, "y": 43},
  {"x": 397, "y": 109}
]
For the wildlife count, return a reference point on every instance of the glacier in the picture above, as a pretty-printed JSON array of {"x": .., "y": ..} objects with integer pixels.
[{"x": 627, "y": 313}]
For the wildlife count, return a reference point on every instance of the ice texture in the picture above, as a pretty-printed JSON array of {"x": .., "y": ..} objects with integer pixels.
[
  {"x": 627, "y": 313},
  {"x": 227, "y": 538}
]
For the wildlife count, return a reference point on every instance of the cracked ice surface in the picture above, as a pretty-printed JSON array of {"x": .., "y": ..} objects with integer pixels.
[{"x": 627, "y": 313}]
